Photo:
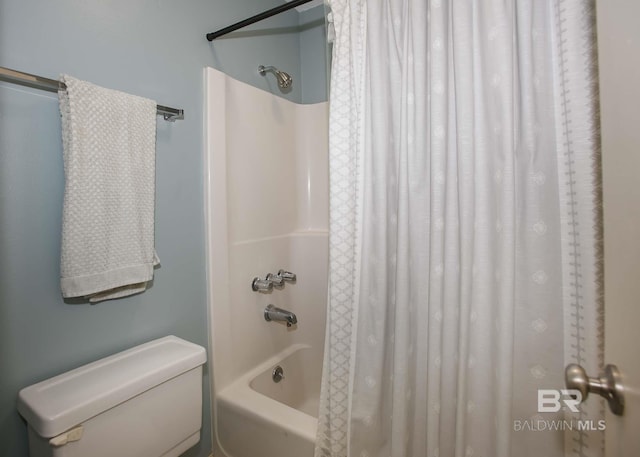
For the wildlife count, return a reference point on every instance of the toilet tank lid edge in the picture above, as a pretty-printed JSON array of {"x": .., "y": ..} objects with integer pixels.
[{"x": 59, "y": 403}]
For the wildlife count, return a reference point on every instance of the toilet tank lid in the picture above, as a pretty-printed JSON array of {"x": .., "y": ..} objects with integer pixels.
[{"x": 57, "y": 404}]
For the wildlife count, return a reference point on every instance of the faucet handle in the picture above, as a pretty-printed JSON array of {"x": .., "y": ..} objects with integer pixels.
[
  {"x": 261, "y": 285},
  {"x": 276, "y": 280},
  {"x": 287, "y": 275}
]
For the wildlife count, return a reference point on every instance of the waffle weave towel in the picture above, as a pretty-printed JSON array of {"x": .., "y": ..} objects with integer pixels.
[{"x": 109, "y": 142}]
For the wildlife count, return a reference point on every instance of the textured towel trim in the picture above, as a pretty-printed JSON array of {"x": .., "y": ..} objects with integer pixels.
[
  {"x": 118, "y": 292},
  {"x": 85, "y": 285}
]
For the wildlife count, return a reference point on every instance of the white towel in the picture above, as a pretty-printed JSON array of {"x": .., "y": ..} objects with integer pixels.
[{"x": 109, "y": 142}]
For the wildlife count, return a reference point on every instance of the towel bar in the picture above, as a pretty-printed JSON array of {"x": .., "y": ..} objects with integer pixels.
[{"x": 51, "y": 85}]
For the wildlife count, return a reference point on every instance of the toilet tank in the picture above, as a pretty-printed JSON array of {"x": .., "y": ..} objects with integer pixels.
[{"x": 143, "y": 402}]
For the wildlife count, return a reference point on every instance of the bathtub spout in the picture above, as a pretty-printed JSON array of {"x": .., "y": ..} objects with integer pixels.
[{"x": 272, "y": 313}]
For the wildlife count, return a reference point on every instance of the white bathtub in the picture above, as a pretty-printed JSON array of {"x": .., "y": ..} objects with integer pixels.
[{"x": 260, "y": 418}]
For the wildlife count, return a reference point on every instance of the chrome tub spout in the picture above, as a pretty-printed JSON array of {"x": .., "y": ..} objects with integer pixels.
[{"x": 272, "y": 313}]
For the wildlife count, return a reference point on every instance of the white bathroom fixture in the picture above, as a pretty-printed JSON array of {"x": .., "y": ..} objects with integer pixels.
[
  {"x": 145, "y": 401},
  {"x": 249, "y": 231}
]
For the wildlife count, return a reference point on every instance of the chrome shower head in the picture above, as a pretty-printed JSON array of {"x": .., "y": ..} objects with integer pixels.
[{"x": 284, "y": 79}]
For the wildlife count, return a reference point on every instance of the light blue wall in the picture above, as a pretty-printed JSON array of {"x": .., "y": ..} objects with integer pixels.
[
  {"x": 314, "y": 55},
  {"x": 153, "y": 48}
]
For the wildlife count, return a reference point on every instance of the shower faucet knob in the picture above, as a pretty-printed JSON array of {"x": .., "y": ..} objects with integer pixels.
[
  {"x": 261, "y": 285},
  {"x": 287, "y": 275},
  {"x": 276, "y": 280}
]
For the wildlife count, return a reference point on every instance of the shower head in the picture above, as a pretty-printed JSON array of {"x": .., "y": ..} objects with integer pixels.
[{"x": 284, "y": 79}]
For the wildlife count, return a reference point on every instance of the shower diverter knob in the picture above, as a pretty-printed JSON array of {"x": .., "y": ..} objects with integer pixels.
[
  {"x": 276, "y": 280},
  {"x": 287, "y": 275},
  {"x": 261, "y": 285}
]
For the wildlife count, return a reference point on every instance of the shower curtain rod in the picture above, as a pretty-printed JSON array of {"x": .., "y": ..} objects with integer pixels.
[
  {"x": 258, "y": 17},
  {"x": 51, "y": 85}
]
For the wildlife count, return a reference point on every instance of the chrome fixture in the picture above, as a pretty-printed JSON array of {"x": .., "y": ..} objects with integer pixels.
[
  {"x": 276, "y": 280},
  {"x": 261, "y": 285},
  {"x": 277, "y": 374},
  {"x": 267, "y": 284},
  {"x": 609, "y": 385},
  {"x": 52, "y": 85},
  {"x": 284, "y": 79},
  {"x": 287, "y": 275},
  {"x": 272, "y": 313}
]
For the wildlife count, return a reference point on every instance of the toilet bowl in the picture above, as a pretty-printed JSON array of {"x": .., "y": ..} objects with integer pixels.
[{"x": 143, "y": 402}]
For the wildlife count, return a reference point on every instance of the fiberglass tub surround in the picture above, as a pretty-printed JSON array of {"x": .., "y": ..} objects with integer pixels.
[{"x": 267, "y": 205}]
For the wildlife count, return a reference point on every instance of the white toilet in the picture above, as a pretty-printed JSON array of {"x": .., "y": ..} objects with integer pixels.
[{"x": 143, "y": 402}]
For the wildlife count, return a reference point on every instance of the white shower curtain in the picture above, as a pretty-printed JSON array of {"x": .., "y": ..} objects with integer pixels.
[{"x": 464, "y": 228}]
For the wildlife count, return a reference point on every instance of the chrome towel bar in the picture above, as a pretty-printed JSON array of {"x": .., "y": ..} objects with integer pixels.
[{"x": 51, "y": 85}]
